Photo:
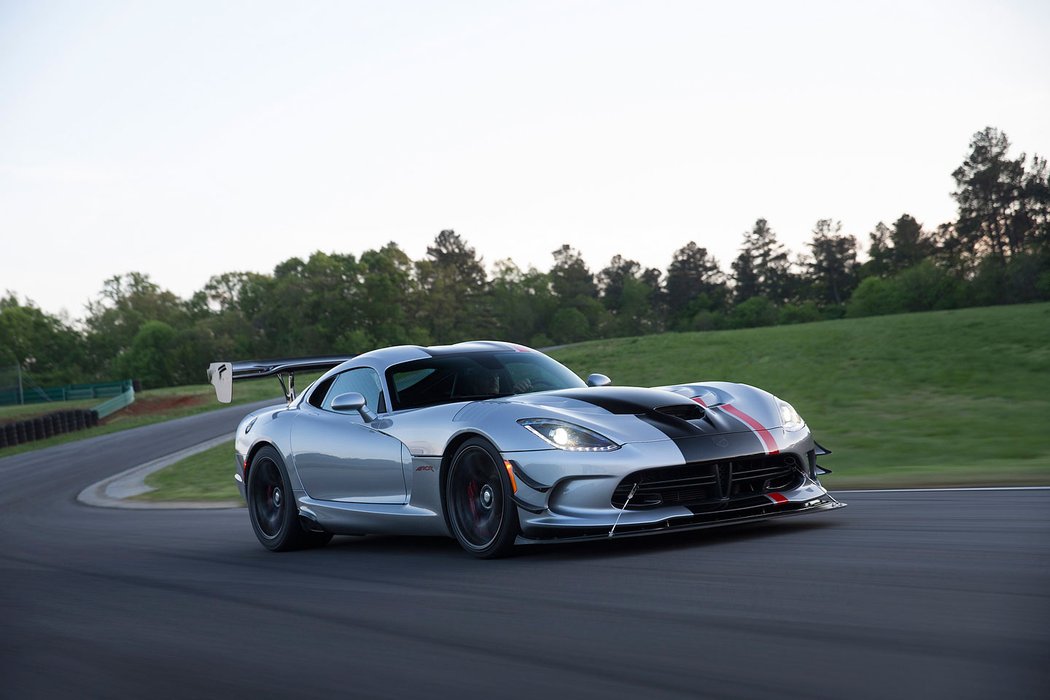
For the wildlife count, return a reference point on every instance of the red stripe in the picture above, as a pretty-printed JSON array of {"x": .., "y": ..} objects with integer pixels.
[
  {"x": 765, "y": 435},
  {"x": 700, "y": 401},
  {"x": 777, "y": 498}
]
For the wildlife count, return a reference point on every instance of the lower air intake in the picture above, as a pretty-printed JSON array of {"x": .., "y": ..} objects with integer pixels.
[{"x": 702, "y": 483}]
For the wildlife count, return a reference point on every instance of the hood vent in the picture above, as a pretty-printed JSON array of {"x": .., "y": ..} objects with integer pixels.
[{"x": 685, "y": 411}]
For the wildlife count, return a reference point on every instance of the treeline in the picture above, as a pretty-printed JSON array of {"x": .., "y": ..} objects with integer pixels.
[{"x": 997, "y": 251}]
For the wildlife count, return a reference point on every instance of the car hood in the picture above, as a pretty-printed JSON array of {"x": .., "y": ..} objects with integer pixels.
[{"x": 635, "y": 414}]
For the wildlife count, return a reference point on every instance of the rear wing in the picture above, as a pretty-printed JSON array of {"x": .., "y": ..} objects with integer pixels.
[{"x": 222, "y": 375}]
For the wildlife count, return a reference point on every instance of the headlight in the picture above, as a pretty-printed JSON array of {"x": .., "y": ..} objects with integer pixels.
[
  {"x": 789, "y": 417},
  {"x": 566, "y": 436}
]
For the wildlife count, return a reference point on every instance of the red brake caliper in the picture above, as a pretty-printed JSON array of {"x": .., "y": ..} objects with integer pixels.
[{"x": 472, "y": 494}]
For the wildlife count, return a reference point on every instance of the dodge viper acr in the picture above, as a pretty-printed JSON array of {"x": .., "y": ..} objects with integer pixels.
[{"x": 496, "y": 444}]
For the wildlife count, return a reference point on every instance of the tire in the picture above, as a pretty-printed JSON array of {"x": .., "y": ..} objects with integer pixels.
[
  {"x": 478, "y": 501},
  {"x": 272, "y": 508}
]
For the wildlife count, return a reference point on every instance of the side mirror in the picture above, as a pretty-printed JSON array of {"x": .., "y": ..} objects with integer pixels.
[
  {"x": 353, "y": 401},
  {"x": 598, "y": 380}
]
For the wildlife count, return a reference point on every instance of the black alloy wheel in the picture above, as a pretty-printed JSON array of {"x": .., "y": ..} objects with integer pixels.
[
  {"x": 271, "y": 506},
  {"x": 478, "y": 500}
]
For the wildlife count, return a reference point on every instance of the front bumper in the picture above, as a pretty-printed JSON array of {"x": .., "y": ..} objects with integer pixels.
[{"x": 562, "y": 495}]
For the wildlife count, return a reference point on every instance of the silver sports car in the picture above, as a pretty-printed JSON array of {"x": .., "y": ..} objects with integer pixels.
[{"x": 497, "y": 444}]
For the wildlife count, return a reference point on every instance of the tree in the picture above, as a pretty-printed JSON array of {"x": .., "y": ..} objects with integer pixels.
[
  {"x": 571, "y": 279},
  {"x": 762, "y": 268},
  {"x": 452, "y": 282},
  {"x": 875, "y": 296},
  {"x": 574, "y": 287},
  {"x": 39, "y": 342},
  {"x": 911, "y": 245},
  {"x": 695, "y": 283},
  {"x": 452, "y": 255},
  {"x": 756, "y": 311},
  {"x": 388, "y": 291},
  {"x": 223, "y": 312},
  {"x": 522, "y": 304},
  {"x": 613, "y": 278},
  {"x": 924, "y": 287},
  {"x": 150, "y": 357},
  {"x": 1002, "y": 202},
  {"x": 307, "y": 306},
  {"x": 880, "y": 253},
  {"x": 569, "y": 325},
  {"x": 832, "y": 271},
  {"x": 124, "y": 305},
  {"x": 897, "y": 249},
  {"x": 632, "y": 297}
]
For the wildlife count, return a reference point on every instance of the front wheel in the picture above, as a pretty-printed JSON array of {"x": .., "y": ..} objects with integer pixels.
[
  {"x": 271, "y": 506},
  {"x": 478, "y": 499}
]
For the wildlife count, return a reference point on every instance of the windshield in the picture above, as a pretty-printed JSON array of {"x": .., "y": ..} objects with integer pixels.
[{"x": 475, "y": 376}]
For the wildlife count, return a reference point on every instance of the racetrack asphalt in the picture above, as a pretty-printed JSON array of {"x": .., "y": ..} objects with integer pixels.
[{"x": 902, "y": 595}]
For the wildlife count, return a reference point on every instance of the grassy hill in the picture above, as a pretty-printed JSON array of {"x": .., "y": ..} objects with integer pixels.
[{"x": 948, "y": 397}]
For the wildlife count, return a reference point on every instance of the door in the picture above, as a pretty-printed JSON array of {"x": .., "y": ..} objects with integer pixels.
[{"x": 337, "y": 455}]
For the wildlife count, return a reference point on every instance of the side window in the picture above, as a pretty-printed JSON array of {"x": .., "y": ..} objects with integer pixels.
[
  {"x": 318, "y": 394},
  {"x": 364, "y": 381}
]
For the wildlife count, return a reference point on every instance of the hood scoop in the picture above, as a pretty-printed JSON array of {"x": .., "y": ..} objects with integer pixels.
[{"x": 690, "y": 411}]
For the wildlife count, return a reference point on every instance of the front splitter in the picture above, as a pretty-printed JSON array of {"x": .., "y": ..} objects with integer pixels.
[{"x": 695, "y": 522}]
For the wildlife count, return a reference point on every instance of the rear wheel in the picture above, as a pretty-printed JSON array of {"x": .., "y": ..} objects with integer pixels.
[
  {"x": 271, "y": 506},
  {"x": 478, "y": 499}
]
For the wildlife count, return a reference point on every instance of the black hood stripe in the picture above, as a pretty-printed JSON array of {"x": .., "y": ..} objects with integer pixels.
[
  {"x": 693, "y": 438},
  {"x": 623, "y": 401}
]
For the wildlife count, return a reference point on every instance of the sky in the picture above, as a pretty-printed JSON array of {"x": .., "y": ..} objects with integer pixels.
[{"x": 185, "y": 139}]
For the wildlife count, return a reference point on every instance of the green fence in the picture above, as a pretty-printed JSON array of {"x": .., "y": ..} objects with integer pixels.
[{"x": 69, "y": 392}]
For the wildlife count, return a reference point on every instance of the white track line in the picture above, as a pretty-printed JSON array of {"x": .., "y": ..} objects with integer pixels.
[{"x": 958, "y": 488}]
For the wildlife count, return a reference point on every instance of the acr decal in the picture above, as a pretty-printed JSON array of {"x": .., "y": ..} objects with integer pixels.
[
  {"x": 767, "y": 437},
  {"x": 425, "y": 468}
]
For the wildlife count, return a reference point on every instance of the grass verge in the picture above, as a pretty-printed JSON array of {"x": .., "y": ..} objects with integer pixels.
[{"x": 206, "y": 476}]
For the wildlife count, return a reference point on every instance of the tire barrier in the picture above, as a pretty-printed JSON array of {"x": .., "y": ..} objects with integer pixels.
[{"x": 43, "y": 427}]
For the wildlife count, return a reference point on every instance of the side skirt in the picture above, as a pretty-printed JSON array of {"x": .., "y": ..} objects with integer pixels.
[{"x": 342, "y": 518}]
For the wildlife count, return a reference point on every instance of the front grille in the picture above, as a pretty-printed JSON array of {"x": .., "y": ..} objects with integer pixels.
[{"x": 703, "y": 483}]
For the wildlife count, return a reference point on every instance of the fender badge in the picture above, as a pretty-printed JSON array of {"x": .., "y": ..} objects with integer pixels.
[{"x": 425, "y": 468}]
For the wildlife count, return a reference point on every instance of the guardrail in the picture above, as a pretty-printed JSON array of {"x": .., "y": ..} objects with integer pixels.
[{"x": 106, "y": 408}]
